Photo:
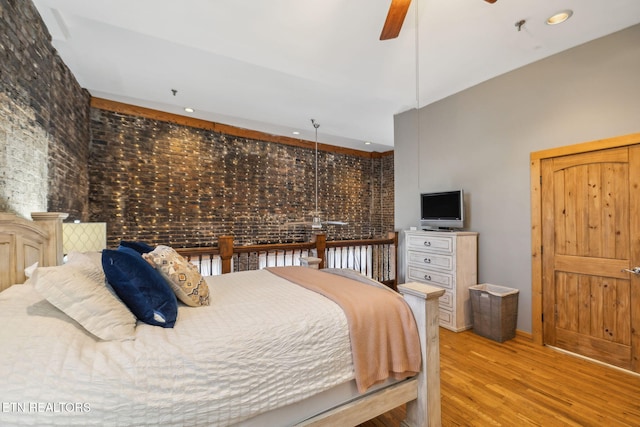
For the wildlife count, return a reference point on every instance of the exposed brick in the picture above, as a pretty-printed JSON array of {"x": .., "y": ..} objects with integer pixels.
[
  {"x": 157, "y": 181},
  {"x": 44, "y": 125},
  {"x": 165, "y": 183}
]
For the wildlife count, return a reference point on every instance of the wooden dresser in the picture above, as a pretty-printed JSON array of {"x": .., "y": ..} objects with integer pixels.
[{"x": 448, "y": 260}]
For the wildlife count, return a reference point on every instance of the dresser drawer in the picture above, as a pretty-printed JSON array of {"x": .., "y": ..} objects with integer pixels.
[
  {"x": 433, "y": 243},
  {"x": 430, "y": 277},
  {"x": 431, "y": 260},
  {"x": 446, "y": 300},
  {"x": 446, "y": 319}
]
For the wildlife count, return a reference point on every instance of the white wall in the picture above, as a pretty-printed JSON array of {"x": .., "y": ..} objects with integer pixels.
[{"x": 480, "y": 140}]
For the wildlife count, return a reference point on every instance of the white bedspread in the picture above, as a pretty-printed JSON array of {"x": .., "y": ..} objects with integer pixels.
[{"x": 218, "y": 366}]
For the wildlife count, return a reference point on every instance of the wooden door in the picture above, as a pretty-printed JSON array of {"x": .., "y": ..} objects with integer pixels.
[{"x": 590, "y": 236}]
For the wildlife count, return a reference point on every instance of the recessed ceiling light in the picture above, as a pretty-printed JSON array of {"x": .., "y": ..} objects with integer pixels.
[
  {"x": 295, "y": 132},
  {"x": 189, "y": 110},
  {"x": 559, "y": 17},
  {"x": 367, "y": 143}
]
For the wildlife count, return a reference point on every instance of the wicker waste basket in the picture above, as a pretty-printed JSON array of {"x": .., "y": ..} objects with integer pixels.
[{"x": 495, "y": 311}]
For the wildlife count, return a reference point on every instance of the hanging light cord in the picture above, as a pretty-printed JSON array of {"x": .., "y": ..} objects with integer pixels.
[
  {"x": 419, "y": 174},
  {"x": 316, "y": 126},
  {"x": 417, "y": 59}
]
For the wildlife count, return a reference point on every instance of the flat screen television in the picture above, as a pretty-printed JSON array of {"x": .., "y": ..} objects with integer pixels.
[{"x": 442, "y": 210}]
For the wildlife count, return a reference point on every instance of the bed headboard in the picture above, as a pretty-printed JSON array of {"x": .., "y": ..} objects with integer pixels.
[{"x": 24, "y": 242}]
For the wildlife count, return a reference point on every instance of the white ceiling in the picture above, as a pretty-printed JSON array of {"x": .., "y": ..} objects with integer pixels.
[{"x": 272, "y": 65}]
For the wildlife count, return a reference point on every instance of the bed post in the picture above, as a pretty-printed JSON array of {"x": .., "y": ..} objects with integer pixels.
[
  {"x": 225, "y": 246},
  {"x": 423, "y": 301},
  {"x": 52, "y": 223}
]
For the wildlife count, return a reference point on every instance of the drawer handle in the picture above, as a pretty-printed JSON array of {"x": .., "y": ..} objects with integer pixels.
[
  {"x": 427, "y": 260},
  {"x": 427, "y": 243},
  {"x": 427, "y": 277}
]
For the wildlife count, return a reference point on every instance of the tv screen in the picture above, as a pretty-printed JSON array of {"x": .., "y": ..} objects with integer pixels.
[{"x": 442, "y": 210}]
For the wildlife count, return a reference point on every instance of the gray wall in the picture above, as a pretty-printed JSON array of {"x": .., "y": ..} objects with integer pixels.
[{"x": 480, "y": 140}]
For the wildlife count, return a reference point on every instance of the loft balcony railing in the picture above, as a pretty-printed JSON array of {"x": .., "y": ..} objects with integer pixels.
[{"x": 375, "y": 258}]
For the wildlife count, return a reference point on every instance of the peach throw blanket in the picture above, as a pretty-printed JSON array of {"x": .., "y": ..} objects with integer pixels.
[{"x": 383, "y": 332}]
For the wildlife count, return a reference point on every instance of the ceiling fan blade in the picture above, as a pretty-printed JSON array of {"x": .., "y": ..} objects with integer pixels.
[
  {"x": 395, "y": 18},
  {"x": 335, "y": 222}
]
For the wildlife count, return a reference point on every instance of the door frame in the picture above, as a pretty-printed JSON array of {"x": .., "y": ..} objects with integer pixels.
[{"x": 537, "y": 214}]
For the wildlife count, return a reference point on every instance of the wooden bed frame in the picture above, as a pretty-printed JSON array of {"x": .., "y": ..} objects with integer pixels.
[{"x": 24, "y": 242}]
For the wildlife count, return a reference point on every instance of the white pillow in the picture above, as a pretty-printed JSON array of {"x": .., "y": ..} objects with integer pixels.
[
  {"x": 80, "y": 292},
  {"x": 28, "y": 272},
  {"x": 89, "y": 263}
]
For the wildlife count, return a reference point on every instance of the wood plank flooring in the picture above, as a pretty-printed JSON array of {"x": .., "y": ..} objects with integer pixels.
[{"x": 517, "y": 383}]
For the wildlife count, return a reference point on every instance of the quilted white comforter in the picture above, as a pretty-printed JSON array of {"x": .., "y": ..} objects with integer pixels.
[{"x": 218, "y": 366}]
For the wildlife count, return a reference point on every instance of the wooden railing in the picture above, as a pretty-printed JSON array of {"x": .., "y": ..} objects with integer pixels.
[{"x": 375, "y": 258}]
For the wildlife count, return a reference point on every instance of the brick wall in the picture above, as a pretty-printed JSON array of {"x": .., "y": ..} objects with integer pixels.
[
  {"x": 162, "y": 182},
  {"x": 158, "y": 181},
  {"x": 69, "y": 130},
  {"x": 44, "y": 126}
]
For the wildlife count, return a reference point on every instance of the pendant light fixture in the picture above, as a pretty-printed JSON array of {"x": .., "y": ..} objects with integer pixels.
[{"x": 316, "y": 223}]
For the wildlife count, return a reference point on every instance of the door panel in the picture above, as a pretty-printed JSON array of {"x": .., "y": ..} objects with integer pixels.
[{"x": 589, "y": 302}]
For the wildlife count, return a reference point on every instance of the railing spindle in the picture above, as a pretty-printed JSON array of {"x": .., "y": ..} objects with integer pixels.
[{"x": 375, "y": 258}]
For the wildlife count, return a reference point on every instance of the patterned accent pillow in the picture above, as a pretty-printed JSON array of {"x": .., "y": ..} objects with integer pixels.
[{"x": 184, "y": 278}]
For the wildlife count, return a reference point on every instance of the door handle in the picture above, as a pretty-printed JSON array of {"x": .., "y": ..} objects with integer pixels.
[{"x": 634, "y": 270}]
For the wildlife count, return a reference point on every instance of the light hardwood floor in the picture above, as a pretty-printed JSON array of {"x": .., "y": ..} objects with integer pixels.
[{"x": 517, "y": 383}]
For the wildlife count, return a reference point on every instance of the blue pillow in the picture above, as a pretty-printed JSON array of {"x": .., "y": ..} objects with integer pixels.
[
  {"x": 140, "y": 287},
  {"x": 140, "y": 247}
]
